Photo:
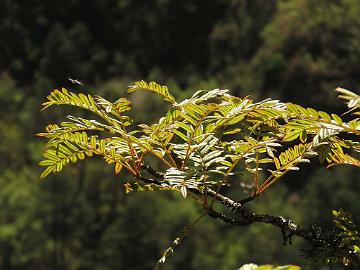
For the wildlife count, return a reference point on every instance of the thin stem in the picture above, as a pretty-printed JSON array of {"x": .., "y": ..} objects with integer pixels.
[
  {"x": 160, "y": 158},
  {"x": 256, "y": 175},
  {"x": 170, "y": 250},
  {"x": 173, "y": 162},
  {"x": 283, "y": 170},
  {"x": 129, "y": 168},
  {"x": 269, "y": 181}
]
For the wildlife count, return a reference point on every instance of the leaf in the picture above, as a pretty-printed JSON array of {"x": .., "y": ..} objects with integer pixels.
[
  {"x": 183, "y": 191},
  {"x": 277, "y": 163},
  {"x": 292, "y": 156},
  {"x": 266, "y": 160},
  {"x": 269, "y": 152},
  {"x": 313, "y": 113},
  {"x": 153, "y": 87},
  {"x": 93, "y": 142},
  {"x": 344, "y": 159},
  {"x": 337, "y": 119},
  {"x": 324, "y": 115},
  {"x": 292, "y": 135},
  {"x": 303, "y": 136},
  {"x": 232, "y": 131},
  {"x": 46, "y": 172},
  {"x": 346, "y": 93},
  {"x": 46, "y": 162},
  {"x": 210, "y": 156},
  {"x": 292, "y": 108},
  {"x": 185, "y": 126},
  {"x": 66, "y": 97},
  {"x": 181, "y": 135},
  {"x": 118, "y": 167}
]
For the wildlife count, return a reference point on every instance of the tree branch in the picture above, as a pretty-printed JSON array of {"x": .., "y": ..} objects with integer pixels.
[
  {"x": 246, "y": 217},
  {"x": 316, "y": 235},
  {"x": 288, "y": 228}
]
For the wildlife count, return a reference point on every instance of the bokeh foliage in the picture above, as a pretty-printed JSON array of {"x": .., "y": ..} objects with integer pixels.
[{"x": 295, "y": 50}]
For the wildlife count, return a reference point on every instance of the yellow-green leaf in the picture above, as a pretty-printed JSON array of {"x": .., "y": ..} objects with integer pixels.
[
  {"x": 46, "y": 172},
  {"x": 118, "y": 167}
]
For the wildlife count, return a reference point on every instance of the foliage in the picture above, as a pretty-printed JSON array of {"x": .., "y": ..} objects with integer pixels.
[
  {"x": 345, "y": 248},
  {"x": 349, "y": 235},
  {"x": 202, "y": 141},
  {"x": 291, "y": 50},
  {"x": 301, "y": 57},
  {"x": 212, "y": 135}
]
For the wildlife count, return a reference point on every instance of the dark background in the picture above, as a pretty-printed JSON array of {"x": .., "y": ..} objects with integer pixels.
[{"x": 295, "y": 50}]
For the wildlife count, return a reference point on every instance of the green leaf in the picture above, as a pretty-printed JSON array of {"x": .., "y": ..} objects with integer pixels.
[
  {"x": 232, "y": 131},
  {"x": 181, "y": 135},
  {"x": 186, "y": 127},
  {"x": 292, "y": 135},
  {"x": 153, "y": 87},
  {"x": 46, "y": 172},
  {"x": 266, "y": 160},
  {"x": 277, "y": 163},
  {"x": 337, "y": 119},
  {"x": 313, "y": 113},
  {"x": 47, "y": 162},
  {"x": 303, "y": 136},
  {"x": 324, "y": 115},
  {"x": 118, "y": 167}
]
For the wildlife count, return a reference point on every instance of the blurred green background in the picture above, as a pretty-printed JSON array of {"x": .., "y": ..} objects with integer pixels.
[{"x": 295, "y": 50}]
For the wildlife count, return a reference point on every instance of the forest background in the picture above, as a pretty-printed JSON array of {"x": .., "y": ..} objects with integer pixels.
[{"x": 295, "y": 50}]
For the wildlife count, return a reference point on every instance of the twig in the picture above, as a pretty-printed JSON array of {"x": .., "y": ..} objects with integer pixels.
[
  {"x": 170, "y": 250},
  {"x": 244, "y": 217}
]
